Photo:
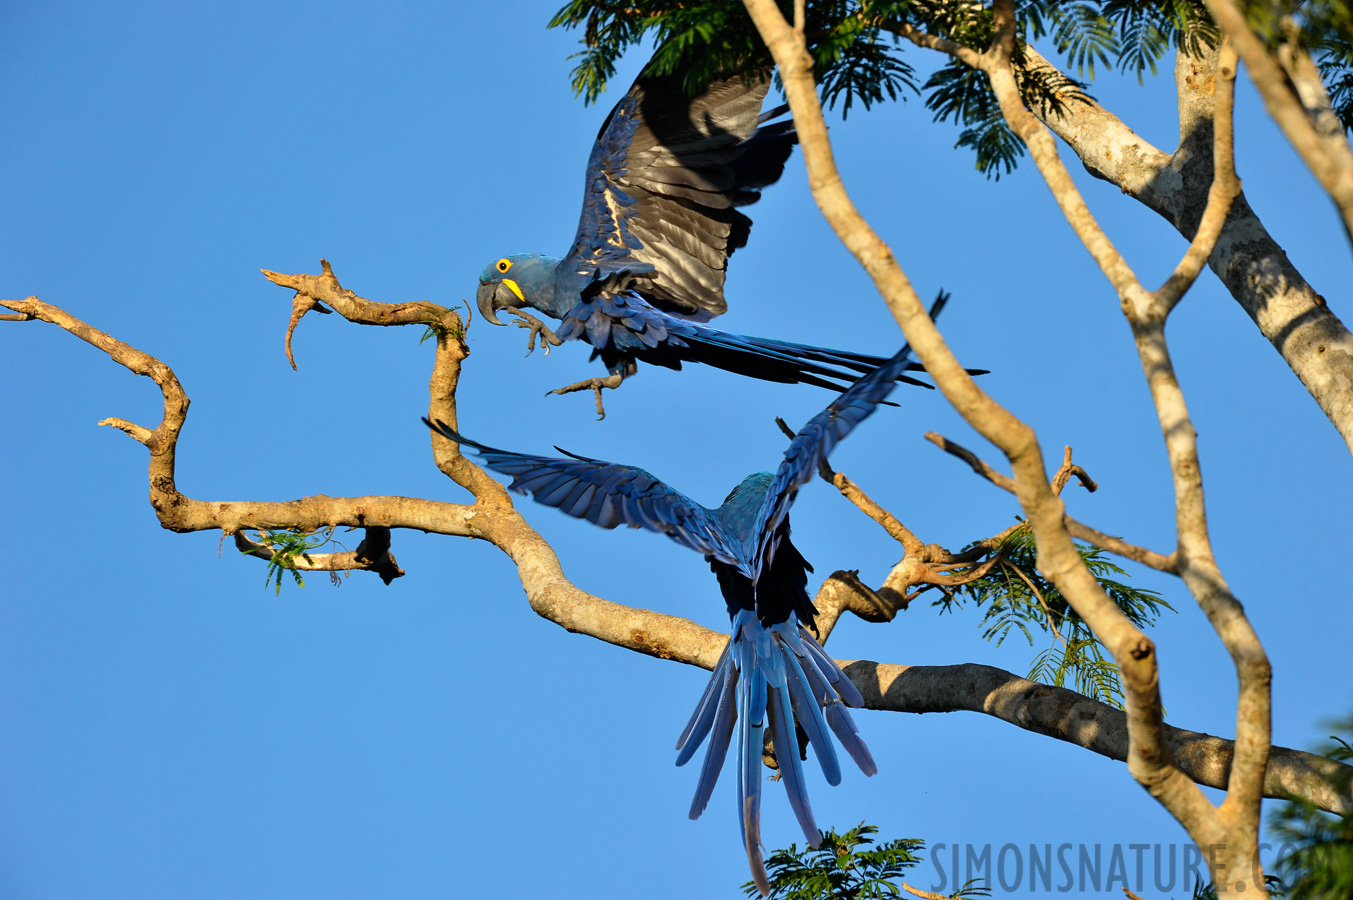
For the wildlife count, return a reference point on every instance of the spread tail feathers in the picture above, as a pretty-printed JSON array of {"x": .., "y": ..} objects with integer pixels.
[{"x": 769, "y": 677}]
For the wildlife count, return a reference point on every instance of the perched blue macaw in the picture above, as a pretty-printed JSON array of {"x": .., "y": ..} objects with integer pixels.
[
  {"x": 646, "y": 269},
  {"x": 772, "y": 669}
]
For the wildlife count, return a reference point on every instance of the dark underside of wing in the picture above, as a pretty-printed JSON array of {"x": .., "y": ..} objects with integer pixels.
[
  {"x": 664, "y": 182},
  {"x": 783, "y": 587}
]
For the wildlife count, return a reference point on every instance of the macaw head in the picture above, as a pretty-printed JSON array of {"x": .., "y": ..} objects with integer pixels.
[{"x": 511, "y": 282}]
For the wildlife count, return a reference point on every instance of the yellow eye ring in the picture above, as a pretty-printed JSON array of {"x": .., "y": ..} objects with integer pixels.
[{"x": 504, "y": 265}]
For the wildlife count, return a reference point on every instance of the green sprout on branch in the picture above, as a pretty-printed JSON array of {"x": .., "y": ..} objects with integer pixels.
[{"x": 287, "y": 547}]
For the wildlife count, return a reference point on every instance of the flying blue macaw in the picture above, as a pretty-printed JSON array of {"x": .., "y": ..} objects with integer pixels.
[
  {"x": 645, "y": 272},
  {"x": 772, "y": 670}
]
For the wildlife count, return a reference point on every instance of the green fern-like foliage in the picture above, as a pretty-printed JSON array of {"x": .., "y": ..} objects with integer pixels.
[
  {"x": 287, "y": 547},
  {"x": 858, "y": 58},
  {"x": 1321, "y": 865},
  {"x": 846, "y": 866},
  {"x": 858, "y": 63},
  {"x": 960, "y": 93},
  {"x": 703, "y": 40},
  {"x": 1015, "y": 598},
  {"x": 1336, "y": 70},
  {"x": 1323, "y": 28}
]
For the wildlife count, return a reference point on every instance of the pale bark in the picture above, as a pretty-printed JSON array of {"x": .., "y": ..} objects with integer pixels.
[
  {"x": 1150, "y": 756},
  {"x": 1055, "y": 712},
  {"x": 1288, "y": 311},
  {"x": 1296, "y": 100}
]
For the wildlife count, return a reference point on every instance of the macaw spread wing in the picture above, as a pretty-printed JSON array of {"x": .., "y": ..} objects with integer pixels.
[
  {"x": 607, "y": 495},
  {"x": 663, "y": 181}
]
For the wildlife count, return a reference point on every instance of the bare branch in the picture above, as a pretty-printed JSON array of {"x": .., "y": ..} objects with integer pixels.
[
  {"x": 896, "y": 530},
  {"x": 1070, "y": 470},
  {"x": 1290, "y": 314},
  {"x": 924, "y": 895},
  {"x": 300, "y": 305},
  {"x": 372, "y": 555},
  {"x": 1077, "y": 529},
  {"x": 324, "y": 288},
  {"x": 1221, "y": 195},
  {"x": 1067, "y": 716},
  {"x": 1196, "y": 562},
  {"x": 1327, "y": 155},
  {"x": 1151, "y": 760}
]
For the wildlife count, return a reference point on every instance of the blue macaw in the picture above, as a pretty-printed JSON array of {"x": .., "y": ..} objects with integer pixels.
[
  {"x": 772, "y": 670},
  {"x": 646, "y": 269}
]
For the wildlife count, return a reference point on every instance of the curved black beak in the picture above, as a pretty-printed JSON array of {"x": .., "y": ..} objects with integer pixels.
[{"x": 492, "y": 297}]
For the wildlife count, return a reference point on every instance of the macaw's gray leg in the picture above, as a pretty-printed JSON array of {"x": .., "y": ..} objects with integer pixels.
[
  {"x": 538, "y": 329},
  {"x": 594, "y": 384}
]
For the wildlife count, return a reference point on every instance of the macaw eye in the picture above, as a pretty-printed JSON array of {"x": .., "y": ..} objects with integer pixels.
[{"x": 504, "y": 265}]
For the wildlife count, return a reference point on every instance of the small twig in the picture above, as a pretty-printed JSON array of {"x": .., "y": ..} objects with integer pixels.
[
  {"x": 372, "y": 555},
  {"x": 978, "y": 466},
  {"x": 138, "y": 434},
  {"x": 924, "y": 895},
  {"x": 851, "y": 491},
  {"x": 1056, "y": 629},
  {"x": 300, "y": 305},
  {"x": 1067, "y": 470},
  {"x": 1080, "y": 530}
]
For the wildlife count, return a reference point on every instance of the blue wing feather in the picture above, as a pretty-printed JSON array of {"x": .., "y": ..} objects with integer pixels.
[
  {"x": 662, "y": 182},
  {"x": 631, "y": 495},
  {"x": 816, "y": 440},
  {"x": 725, "y": 718}
]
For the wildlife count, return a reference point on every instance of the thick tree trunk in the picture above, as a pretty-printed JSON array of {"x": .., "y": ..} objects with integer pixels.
[{"x": 1289, "y": 312}]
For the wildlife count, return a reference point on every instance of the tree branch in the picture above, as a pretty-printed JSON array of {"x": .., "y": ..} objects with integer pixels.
[
  {"x": 1078, "y": 529},
  {"x": 1071, "y": 717},
  {"x": 1290, "y": 314},
  {"x": 1327, "y": 155},
  {"x": 372, "y": 555},
  {"x": 1150, "y": 757}
]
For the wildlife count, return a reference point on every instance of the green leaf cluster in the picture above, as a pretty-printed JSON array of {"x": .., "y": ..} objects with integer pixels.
[
  {"x": 1324, "y": 29},
  {"x": 855, "y": 60},
  {"x": 287, "y": 547},
  {"x": 858, "y": 55},
  {"x": 1015, "y": 597},
  {"x": 845, "y": 866},
  {"x": 1322, "y": 863}
]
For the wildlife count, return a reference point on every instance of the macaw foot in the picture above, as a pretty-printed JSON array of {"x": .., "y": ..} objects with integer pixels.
[
  {"x": 595, "y": 385},
  {"x": 538, "y": 329}
]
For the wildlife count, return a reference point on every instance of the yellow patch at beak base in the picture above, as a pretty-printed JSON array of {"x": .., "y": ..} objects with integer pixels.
[{"x": 512, "y": 286}]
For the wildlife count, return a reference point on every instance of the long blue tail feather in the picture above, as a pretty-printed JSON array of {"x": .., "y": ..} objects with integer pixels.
[
  {"x": 839, "y": 718},
  {"x": 752, "y": 710},
  {"x": 725, "y": 718},
  {"x": 843, "y": 686},
  {"x": 769, "y": 678},
  {"x": 809, "y": 714},
  {"x": 787, "y": 751},
  {"x": 703, "y": 717}
]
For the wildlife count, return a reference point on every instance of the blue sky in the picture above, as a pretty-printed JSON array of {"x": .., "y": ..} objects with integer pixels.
[{"x": 170, "y": 728}]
